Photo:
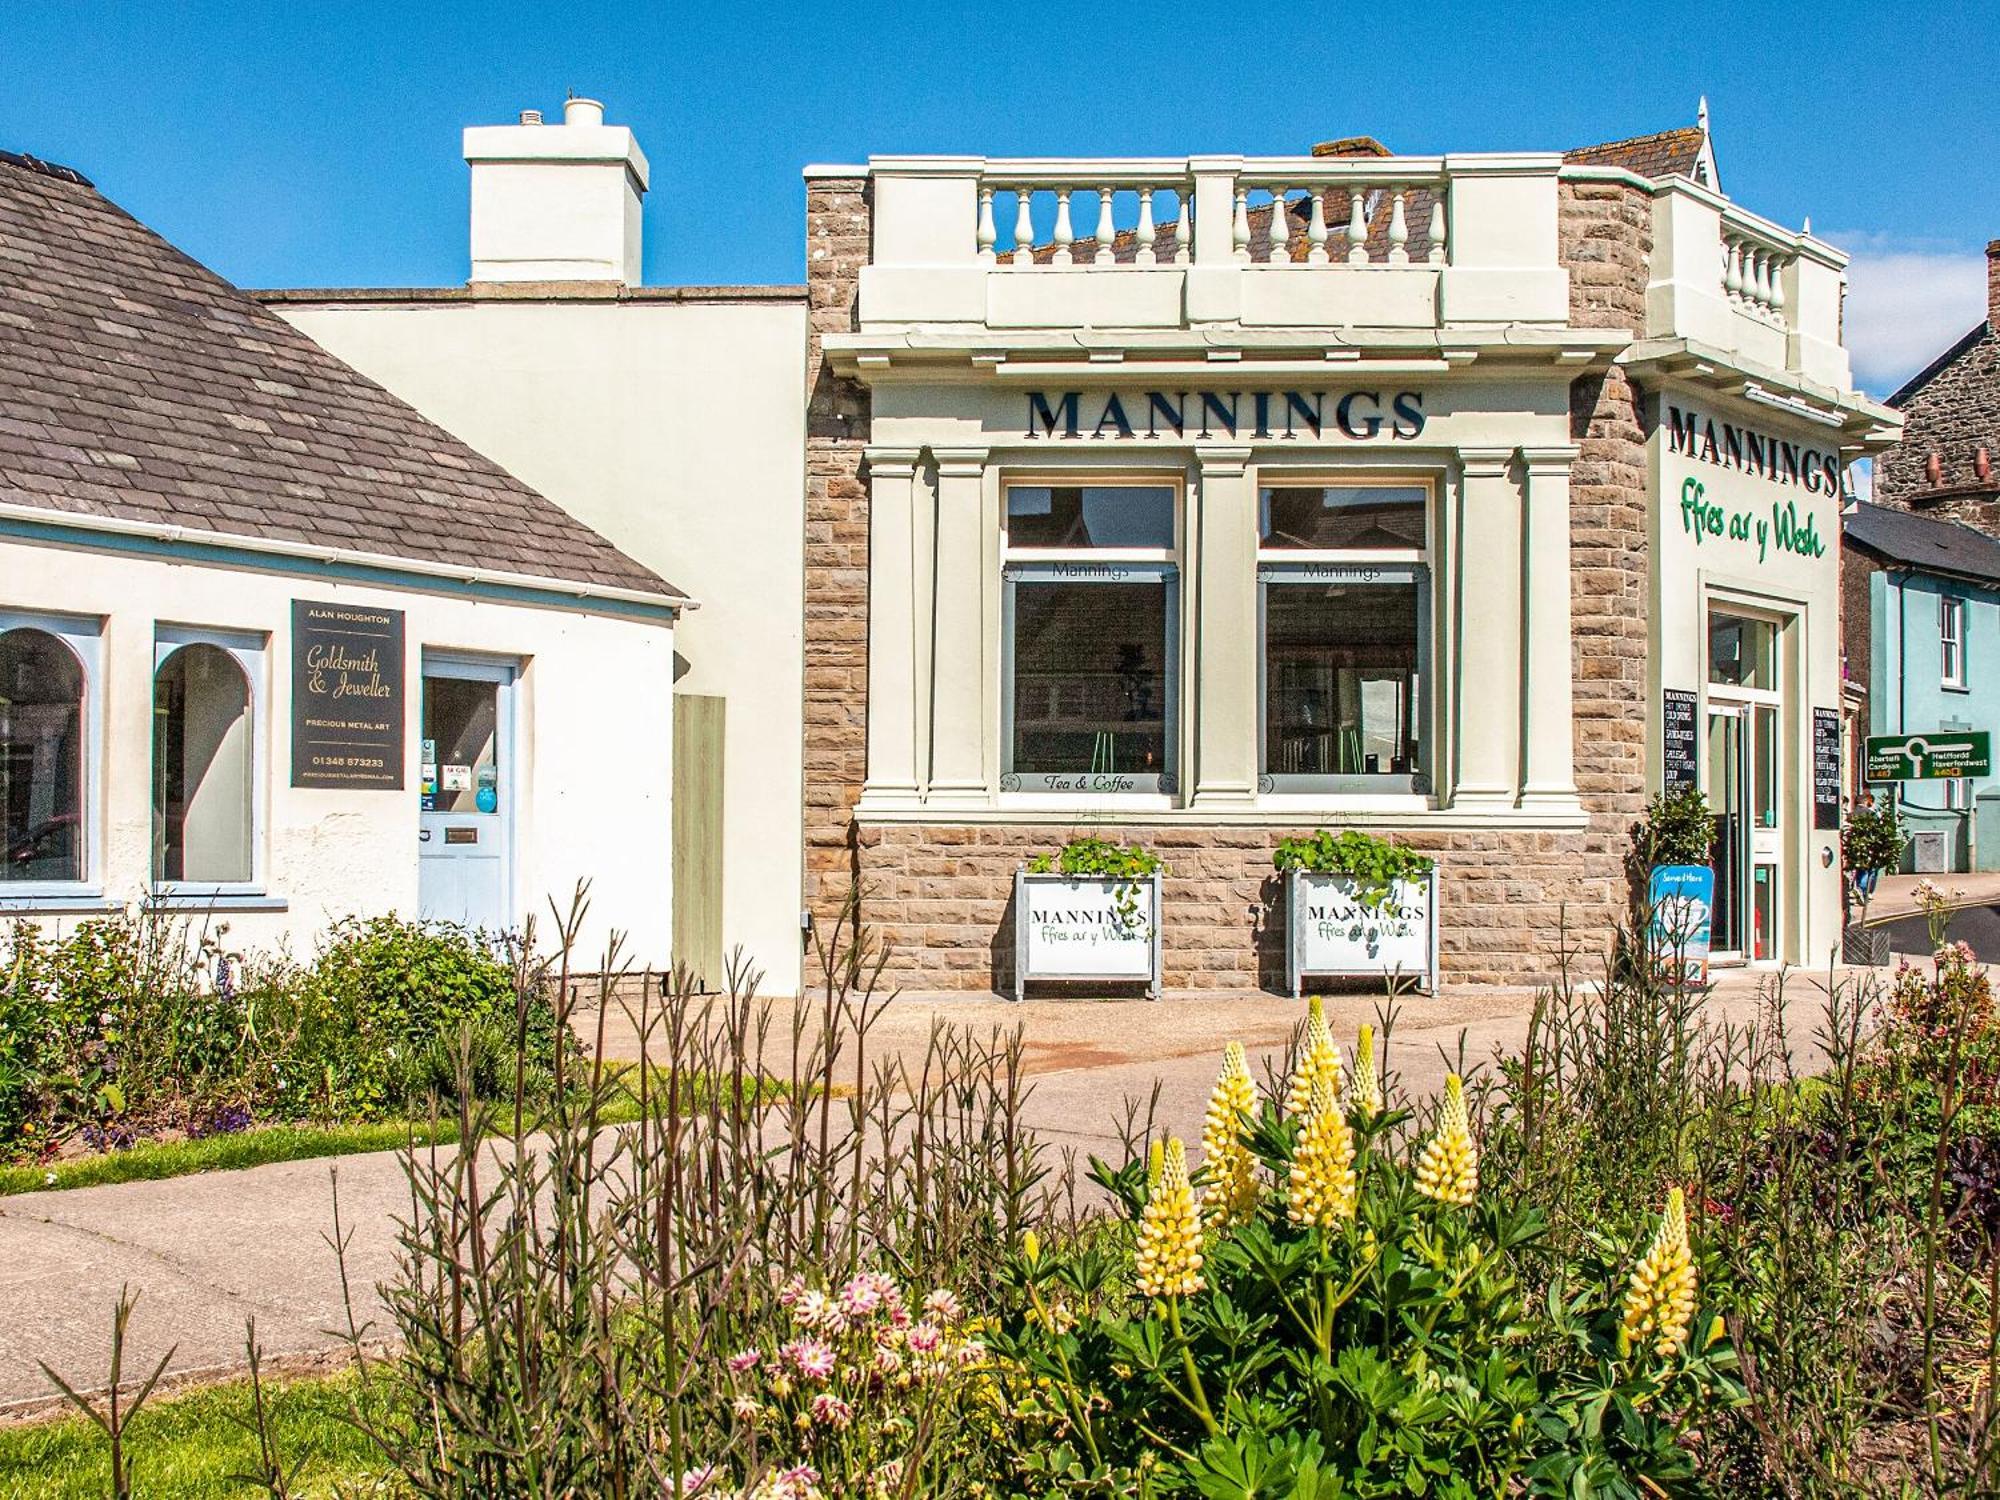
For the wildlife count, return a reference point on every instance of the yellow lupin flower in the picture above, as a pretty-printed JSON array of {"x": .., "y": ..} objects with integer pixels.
[
  {"x": 1659, "y": 1303},
  {"x": 1448, "y": 1170},
  {"x": 1366, "y": 1088},
  {"x": 1319, "y": 1057},
  {"x": 1321, "y": 1189},
  {"x": 1168, "y": 1261},
  {"x": 1230, "y": 1196}
]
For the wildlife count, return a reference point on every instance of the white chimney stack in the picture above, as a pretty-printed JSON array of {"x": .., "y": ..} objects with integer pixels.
[{"x": 556, "y": 203}]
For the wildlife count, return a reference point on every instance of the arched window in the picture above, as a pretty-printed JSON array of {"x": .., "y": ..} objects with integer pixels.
[
  {"x": 42, "y": 685},
  {"x": 203, "y": 754}
]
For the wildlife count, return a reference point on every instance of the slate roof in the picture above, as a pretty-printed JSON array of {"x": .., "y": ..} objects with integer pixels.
[
  {"x": 136, "y": 384},
  {"x": 1924, "y": 541},
  {"x": 1665, "y": 153}
]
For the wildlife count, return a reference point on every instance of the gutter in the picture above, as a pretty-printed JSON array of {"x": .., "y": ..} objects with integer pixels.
[{"x": 373, "y": 562}]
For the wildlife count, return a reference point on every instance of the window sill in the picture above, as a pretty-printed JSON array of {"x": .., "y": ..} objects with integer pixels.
[
  {"x": 1954, "y": 687},
  {"x": 1397, "y": 814},
  {"x": 209, "y": 900},
  {"x": 82, "y": 903}
]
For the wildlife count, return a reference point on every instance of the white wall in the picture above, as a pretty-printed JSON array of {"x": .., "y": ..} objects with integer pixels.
[
  {"x": 595, "y": 732},
  {"x": 677, "y": 429}
]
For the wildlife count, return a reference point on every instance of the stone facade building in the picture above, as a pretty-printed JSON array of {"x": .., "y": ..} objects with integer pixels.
[
  {"x": 1948, "y": 462},
  {"x": 1491, "y": 495}
]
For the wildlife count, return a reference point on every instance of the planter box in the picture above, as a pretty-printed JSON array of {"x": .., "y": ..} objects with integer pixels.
[
  {"x": 1085, "y": 927},
  {"x": 1329, "y": 932},
  {"x": 1868, "y": 946}
]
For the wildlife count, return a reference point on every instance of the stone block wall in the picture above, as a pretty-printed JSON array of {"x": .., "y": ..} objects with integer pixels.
[
  {"x": 1954, "y": 415},
  {"x": 940, "y": 895}
]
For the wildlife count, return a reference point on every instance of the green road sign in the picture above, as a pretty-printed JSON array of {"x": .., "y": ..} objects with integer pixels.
[{"x": 1929, "y": 757}]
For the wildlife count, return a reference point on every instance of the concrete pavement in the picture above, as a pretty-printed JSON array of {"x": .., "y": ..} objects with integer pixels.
[{"x": 208, "y": 1250}]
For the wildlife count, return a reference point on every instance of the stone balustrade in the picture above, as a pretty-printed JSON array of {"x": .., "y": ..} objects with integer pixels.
[{"x": 1408, "y": 241}]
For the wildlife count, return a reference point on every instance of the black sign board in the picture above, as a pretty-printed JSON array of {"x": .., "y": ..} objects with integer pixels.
[
  {"x": 1678, "y": 741},
  {"x": 1826, "y": 769},
  {"x": 347, "y": 695}
]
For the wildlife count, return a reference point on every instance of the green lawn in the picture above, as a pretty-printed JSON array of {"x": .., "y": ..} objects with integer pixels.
[
  {"x": 273, "y": 1143},
  {"x": 188, "y": 1447}
]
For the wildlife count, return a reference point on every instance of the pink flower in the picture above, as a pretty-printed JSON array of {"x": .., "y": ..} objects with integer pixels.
[
  {"x": 869, "y": 1293},
  {"x": 942, "y": 1306},
  {"x": 810, "y": 1358},
  {"x": 793, "y": 1290},
  {"x": 887, "y": 1360},
  {"x": 696, "y": 1481},
  {"x": 744, "y": 1359},
  {"x": 809, "y": 1310},
  {"x": 831, "y": 1411},
  {"x": 925, "y": 1338},
  {"x": 745, "y": 1407}
]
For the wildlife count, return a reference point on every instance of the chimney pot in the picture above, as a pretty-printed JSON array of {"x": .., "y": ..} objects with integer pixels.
[
  {"x": 583, "y": 112},
  {"x": 531, "y": 117}
]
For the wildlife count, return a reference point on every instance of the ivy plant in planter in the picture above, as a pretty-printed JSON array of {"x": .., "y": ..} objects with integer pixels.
[
  {"x": 1089, "y": 910},
  {"x": 1357, "y": 905}
]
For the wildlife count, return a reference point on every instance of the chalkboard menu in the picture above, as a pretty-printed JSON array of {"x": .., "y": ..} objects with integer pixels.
[
  {"x": 1678, "y": 739},
  {"x": 1826, "y": 769},
  {"x": 347, "y": 696}
]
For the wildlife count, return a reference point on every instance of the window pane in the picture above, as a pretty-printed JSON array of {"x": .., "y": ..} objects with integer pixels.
[
  {"x": 41, "y": 757},
  {"x": 1090, "y": 516},
  {"x": 1091, "y": 691},
  {"x": 201, "y": 767},
  {"x": 461, "y": 759},
  {"x": 1343, "y": 516},
  {"x": 1341, "y": 680},
  {"x": 1742, "y": 653}
]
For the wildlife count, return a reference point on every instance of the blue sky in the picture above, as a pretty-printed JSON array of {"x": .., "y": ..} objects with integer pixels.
[{"x": 316, "y": 144}]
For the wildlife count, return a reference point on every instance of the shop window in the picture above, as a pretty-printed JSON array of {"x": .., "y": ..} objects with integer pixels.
[
  {"x": 46, "y": 670},
  {"x": 204, "y": 763},
  {"x": 1345, "y": 611},
  {"x": 1742, "y": 652},
  {"x": 1951, "y": 641},
  {"x": 1092, "y": 604}
]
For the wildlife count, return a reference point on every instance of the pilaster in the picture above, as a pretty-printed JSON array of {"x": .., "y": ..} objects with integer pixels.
[
  {"x": 958, "y": 739},
  {"x": 1486, "y": 599},
  {"x": 892, "y": 667},
  {"x": 1549, "y": 737},
  {"x": 1222, "y": 535}
]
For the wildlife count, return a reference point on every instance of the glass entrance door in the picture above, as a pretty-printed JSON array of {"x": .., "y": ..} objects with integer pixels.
[
  {"x": 1744, "y": 798},
  {"x": 1730, "y": 852},
  {"x": 466, "y": 818}
]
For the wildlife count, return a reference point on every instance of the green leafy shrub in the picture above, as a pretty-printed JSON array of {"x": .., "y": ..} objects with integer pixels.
[
  {"x": 1679, "y": 829},
  {"x": 1873, "y": 837},
  {"x": 1374, "y": 865},
  {"x": 1335, "y": 1316},
  {"x": 382, "y": 1010},
  {"x": 142, "y": 1023}
]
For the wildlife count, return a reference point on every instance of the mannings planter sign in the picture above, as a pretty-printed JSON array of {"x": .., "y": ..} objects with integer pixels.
[
  {"x": 1084, "y": 927},
  {"x": 1331, "y": 932}
]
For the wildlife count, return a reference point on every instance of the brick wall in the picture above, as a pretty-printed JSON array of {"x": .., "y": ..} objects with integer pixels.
[{"x": 940, "y": 895}]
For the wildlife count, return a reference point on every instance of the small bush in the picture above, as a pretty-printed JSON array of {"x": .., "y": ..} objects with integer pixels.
[
  {"x": 143, "y": 1024},
  {"x": 1873, "y": 838},
  {"x": 1679, "y": 829}
]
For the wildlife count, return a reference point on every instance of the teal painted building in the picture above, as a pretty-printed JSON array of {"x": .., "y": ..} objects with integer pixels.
[{"x": 1921, "y": 611}]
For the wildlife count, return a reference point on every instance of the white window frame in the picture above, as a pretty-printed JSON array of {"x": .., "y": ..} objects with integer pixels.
[
  {"x": 1020, "y": 564},
  {"x": 1951, "y": 641},
  {"x": 250, "y": 650},
  {"x": 1283, "y": 566},
  {"x": 84, "y": 636}
]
